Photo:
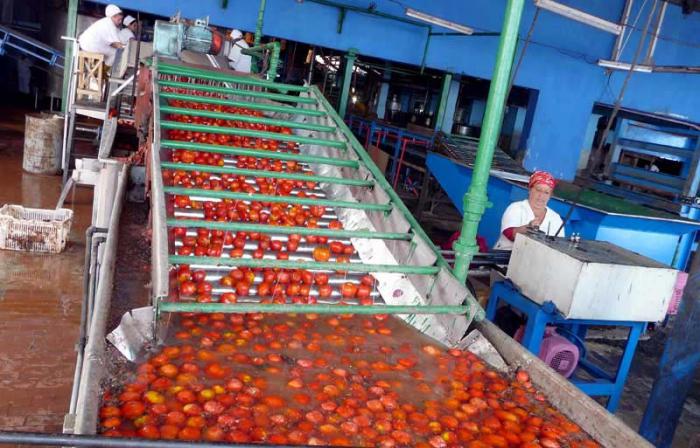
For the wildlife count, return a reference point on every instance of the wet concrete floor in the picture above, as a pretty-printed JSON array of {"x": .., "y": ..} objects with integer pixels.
[{"x": 40, "y": 297}]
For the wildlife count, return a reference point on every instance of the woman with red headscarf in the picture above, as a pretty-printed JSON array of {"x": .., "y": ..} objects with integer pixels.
[{"x": 530, "y": 213}]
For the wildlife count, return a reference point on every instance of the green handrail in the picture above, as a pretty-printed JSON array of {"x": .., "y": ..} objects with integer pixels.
[
  {"x": 476, "y": 200},
  {"x": 245, "y": 118},
  {"x": 288, "y": 230},
  {"x": 308, "y": 265},
  {"x": 275, "y": 308},
  {"x": 246, "y": 104},
  {"x": 266, "y": 173},
  {"x": 236, "y": 151},
  {"x": 215, "y": 194},
  {"x": 172, "y": 69},
  {"x": 239, "y": 92},
  {"x": 166, "y": 124}
]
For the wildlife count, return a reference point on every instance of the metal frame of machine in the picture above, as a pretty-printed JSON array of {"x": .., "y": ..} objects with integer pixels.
[{"x": 390, "y": 243}]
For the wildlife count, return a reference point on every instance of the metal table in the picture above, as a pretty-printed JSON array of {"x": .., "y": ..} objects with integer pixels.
[{"x": 540, "y": 316}]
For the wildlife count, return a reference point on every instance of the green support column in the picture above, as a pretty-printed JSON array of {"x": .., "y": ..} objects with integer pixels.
[
  {"x": 259, "y": 24},
  {"x": 71, "y": 23},
  {"x": 446, "y": 82},
  {"x": 347, "y": 80},
  {"x": 476, "y": 201}
]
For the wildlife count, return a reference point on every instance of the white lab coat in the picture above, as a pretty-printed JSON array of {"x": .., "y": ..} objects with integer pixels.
[
  {"x": 519, "y": 214},
  {"x": 238, "y": 61},
  {"x": 98, "y": 38},
  {"x": 125, "y": 35}
]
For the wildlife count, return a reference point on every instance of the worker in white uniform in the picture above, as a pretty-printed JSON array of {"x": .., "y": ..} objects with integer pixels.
[
  {"x": 129, "y": 31},
  {"x": 103, "y": 36},
  {"x": 237, "y": 60},
  {"x": 531, "y": 213}
]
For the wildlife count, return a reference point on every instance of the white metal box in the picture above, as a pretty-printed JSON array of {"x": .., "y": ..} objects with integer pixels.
[{"x": 591, "y": 279}]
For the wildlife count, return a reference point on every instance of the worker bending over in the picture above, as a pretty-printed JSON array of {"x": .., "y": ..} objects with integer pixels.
[
  {"x": 237, "y": 60},
  {"x": 531, "y": 213},
  {"x": 103, "y": 36},
  {"x": 129, "y": 31}
]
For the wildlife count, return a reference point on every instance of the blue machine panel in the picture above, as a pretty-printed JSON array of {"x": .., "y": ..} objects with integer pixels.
[{"x": 663, "y": 239}]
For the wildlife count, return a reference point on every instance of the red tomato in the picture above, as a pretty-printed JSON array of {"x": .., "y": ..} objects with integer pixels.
[{"x": 321, "y": 253}]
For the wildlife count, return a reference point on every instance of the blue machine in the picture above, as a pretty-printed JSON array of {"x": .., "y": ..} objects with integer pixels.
[
  {"x": 637, "y": 147},
  {"x": 376, "y": 133},
  {"x": 12, "y": 40},
  {"x": 660, "y": 236},
  {"x": 603, "y": 383}
]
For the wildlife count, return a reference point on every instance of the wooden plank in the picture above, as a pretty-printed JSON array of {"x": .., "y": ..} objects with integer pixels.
[{"x": 603, "y": 426}]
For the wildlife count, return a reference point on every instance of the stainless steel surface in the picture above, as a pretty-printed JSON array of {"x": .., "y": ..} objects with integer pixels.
[{"x": 93, "y": 368}]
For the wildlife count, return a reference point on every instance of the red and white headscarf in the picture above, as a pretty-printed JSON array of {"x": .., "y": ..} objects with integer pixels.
[{"x": 542, "y": 177}]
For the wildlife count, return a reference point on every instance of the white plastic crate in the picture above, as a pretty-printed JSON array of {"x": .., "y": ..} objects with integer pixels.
[{"x": 34, "y": 229}]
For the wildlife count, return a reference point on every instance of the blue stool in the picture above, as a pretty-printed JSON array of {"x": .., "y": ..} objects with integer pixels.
[{"x": 540, "y": 316}]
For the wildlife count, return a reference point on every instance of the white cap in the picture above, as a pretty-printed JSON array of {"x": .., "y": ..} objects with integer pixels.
[
  {"x": 236, "y": 34},
  {"x": 128, "y": 20},
  {"x": 112, "y": 10}
]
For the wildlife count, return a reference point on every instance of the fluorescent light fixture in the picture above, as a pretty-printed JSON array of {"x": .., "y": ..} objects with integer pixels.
[
  {"x": 438, "y": 21},
  {"x": 579, "y": 16},
  {"x": 615, "y": 65}
]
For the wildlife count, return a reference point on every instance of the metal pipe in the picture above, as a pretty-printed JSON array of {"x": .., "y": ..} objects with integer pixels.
[
  {"x": 287, "y": 230},
  {"x": 71, "y": 24},
  {"x": 35, "y": 438},
  {"x": 268, "y": 174},
  {"x": 238, "y": 92},
  {"x": 246, "y": 104},
  {"x": 475, "y": 200},
  {"x": 80, "y": 346},
  {"x": 443, "y": 101},
  {"x": 273, "y": 308},
  {"x": 93, "y": 367},
  {"x": 347, "y": 79},
  {"x": 309, "y": 265},
  {"x": 259, "y": 23},
  {"x": 649, "y": 59},
  {"x": 236, "y": 151},
  {"x": 214, "y": 194},
  {"x": 246, "y": 118},
  {"x": 371, "y": 12},
  {"x": 172, "y": 69},
  {"x": 252, "y": 133},
  {"x": 617, "y": 49}
]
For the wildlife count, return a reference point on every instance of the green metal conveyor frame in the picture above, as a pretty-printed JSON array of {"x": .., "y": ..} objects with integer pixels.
[{"x": 325, "y": 142}]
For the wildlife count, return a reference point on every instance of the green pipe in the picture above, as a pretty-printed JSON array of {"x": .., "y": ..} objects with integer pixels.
[
  {"x": 368, "y": 11},
  {"x": 341, "y": 20},
  {"x": 443, "y": 101},
  {"x": 246, "y": 118},
  {"x": 425, "y": 51},
  {"x": 269, "y": 198},
  {"x": 288, "y": 230},
  {"x": 476, "y": 200},
  {"x": 195, "y": 307},
  {"x": 266, "y": 173},
  {"x": 239, "y": 92},
  {"x": 384, "y": 185},
  {"x": 274, "y": 61},
  {"x": 172, "y": 69},
  {"x": 71, "y": 23},
  {"x": 245, "y": 104},
  {"x": 347, "y": 80},
  {"x": 259, "y": 24},
  {"x": 259, "y": 51},
  {"x": 251, "y": 133},
  {"x": 236, "y": 151},
  {"x": 308, "y": 265}
]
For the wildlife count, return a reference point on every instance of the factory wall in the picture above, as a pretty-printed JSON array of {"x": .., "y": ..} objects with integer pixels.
[{"x": 560, "y": 62}]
